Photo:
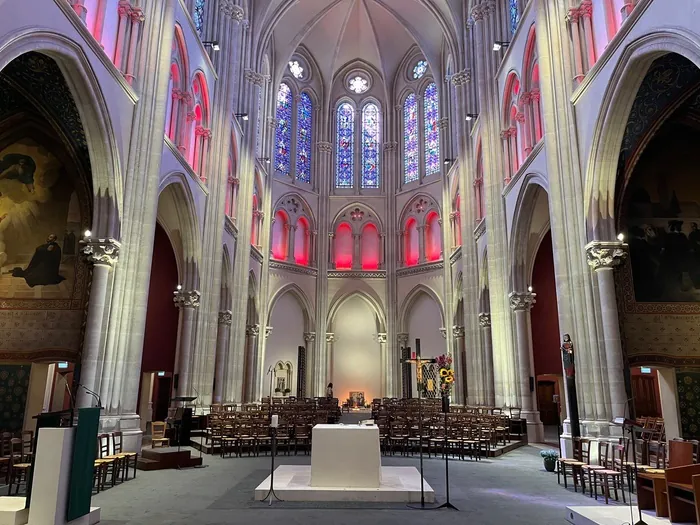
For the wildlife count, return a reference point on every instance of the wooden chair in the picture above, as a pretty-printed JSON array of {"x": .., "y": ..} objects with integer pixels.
[
  {"x": 19, "y": 466},
  {"x": 587, "y": 469},
  {"x": 158, "y": 433},
  {"x": 109, "y": 464},
  {"x": 606, "y": 476},
  {"x": 126, "y": 459},
  {"x": 571, "y": 465},
  {"x": 302, "y": 436},
  {"x": 5, "y": 455}
]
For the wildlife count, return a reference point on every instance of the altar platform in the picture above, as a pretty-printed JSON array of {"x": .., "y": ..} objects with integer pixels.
[
  {"x": 610, "y": 515},
  {"x": 397, "y": 485}
]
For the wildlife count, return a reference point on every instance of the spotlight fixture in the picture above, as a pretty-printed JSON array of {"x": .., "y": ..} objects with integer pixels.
[
  {"x": 470, "y": 117},
  {"x": 621, "y": 237},
  {"x": 214, "y": 44},
  {"x": 243, "y": 116},
  {"x": 179, "y": 287},
  {"x": 88, "y": 234},
  {"x": 529, "y": 289},
  {"x": 447, "y": 162},
  {"x": 498, "y": 44},
  {"x": 266, "y": 160}
]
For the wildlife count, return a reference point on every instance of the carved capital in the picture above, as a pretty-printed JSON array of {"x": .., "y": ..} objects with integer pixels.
[
  {"x": 101, "y": 251},
  {"x": 586, "y": 9},
  {"x": 573, "y": 15},
  {"x": 271, "y": 122},
  {"x": 254, "y": 77},
  {"x": 230, "y": 9},
  {"x": 457, "y": 331},
  {"x": 309, "y": 337},
  {"x": 252, "y": 330},
  {"x": 601, "y": 255},
  {"x": 324, "y": 147},
  {"x": 268, "y": 331},
  {"x": 485, "y": 319},
  {"x": 225, "y": 317},
  {"x": 391, "y": 146},
  {"x": 520, "y": 117},
  {"x": 402, "y": 338},
  {"x": 187, "y": 298},
  {"x": 381, "y": 338},
  {"x": 461, "y": 78},
  {"x": 137, "y": 15},
  {"x": 330, "y": 337},
  {"x": 521, "y": 300},
  {"x": 443, "y": 332},
  {"x": 442, "y": 123}
]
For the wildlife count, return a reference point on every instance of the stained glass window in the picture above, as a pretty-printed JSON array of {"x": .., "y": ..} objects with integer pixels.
[
  {"x": 514, "y": 15},
  {"x": 344, "y": 149},
  {"x": 410, "y": 138},
  {"x": 199, "y": 15},
  {"x": 296, "y": 69},
  {"x": 420, "y": 68},
  {"x": 370, "y": 146},
  {"x": 258, "y": 132},
  {"x": 431, "y": 129},
  {"x": 283, "y": 134},
  {"x": 358, "y": 85},
  {"x": 304, "y": 111}
]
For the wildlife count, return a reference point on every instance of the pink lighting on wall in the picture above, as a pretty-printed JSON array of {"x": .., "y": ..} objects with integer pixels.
[
  {"x": 370, "y": 248},
  {"x": 343, "y": 246},
  {"x": 301, "y": 242},
  {"x": 280, "y": 227},
  {"x": 411, "y": 248},
  {"x": 433, "y": 238}
]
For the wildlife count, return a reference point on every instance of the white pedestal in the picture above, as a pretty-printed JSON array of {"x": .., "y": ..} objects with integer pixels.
[
  {"x": 12, "y": 511},
  {"x": 345, "y": 456}
]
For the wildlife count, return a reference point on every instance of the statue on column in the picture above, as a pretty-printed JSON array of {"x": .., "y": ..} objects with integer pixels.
[{"x": 568, "y": 359}]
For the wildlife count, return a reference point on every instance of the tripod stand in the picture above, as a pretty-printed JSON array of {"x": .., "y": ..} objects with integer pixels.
[{"x": 271, "y": 493}]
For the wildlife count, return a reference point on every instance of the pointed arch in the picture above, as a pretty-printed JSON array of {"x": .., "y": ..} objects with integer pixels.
[
  {"x": 303, "y": 300},
  {"x": 368, "y": 296},
  {"x": 410, "y": 300}
]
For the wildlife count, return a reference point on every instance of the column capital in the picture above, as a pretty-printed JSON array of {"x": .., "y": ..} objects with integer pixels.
[
  {"x": 381, "y": 337},
  {"x": 137, "y": 15},
  {"x": 252, "y": 329},
  {"x": 268, "y": 331},
  {"x": 101, "y": 251},
  {"x": 402, "y": 338},
  {"x": 605, "y": 254},
  {"x": 457, "y": 331},
  {"x": 254, "y": 77},
  {"x": 573, "y": 15},
  {"x": 226, "y": 317},
  {"x": 187, "y": 298},
  {"x": 230, "y": 9},
  {"x": 330, "y": 337},
  {"x": 391, "y": 146},
  {"x": 324, "y": 147},
  {"x": 586, "y": 9},
  {"x": 271, "y": 122},
  {"x": 309, "y": 337},
  {"x": 442, "y": 123},
  {"x": 461, "y": 78},
  {"x": 521, "y": 300},
  {"x": 485, "y": 319},
  {"x": 443, "y": 332}
]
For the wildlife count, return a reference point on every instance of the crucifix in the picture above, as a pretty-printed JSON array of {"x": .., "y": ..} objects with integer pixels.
[{"x": 417, "y": 360}]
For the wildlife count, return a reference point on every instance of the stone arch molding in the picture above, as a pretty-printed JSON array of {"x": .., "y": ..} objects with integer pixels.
[
  {"x": 368, "y": 296},
  {"x": 410, "y": 301},
  {"x": 302, "y": 300},
  {"x": 358, "y": 216},
  {"x": 419, "y": 208},
  {"x": 295, "y": 207},
  {"x": 522, "y": 252},
  {"x": 629, "y": 72},
  {"x": 94, "y": 115}
]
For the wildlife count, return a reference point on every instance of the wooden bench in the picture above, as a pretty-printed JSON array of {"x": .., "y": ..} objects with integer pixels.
[
  {"x": 679, "y": 491},
  {"x": 651, "y": 492}
]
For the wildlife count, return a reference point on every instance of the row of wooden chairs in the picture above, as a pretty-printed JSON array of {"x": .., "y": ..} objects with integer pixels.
[
  {"x": 16, "y": 455},
  {"x": 255, "y": 437},
  {"x": 112, "y": 461}
]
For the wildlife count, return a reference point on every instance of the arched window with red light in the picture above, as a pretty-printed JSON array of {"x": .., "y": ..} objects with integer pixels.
[
  {"x": 411, "y": 242},
  {"x": 479, "y": 196},
  {"x": 177, "y": 94},
  {"x": 343, "y": 247},
  {"x": 513, "y": 119},
  {"x": 433, "y": 237},
  {"x": 280, "y": 236},
  {"x": 530, "y": 96},
  {"x": 370, "y": 247},
  {"x": 302, "y": 243},
  {"x": 199, "y": 126}
]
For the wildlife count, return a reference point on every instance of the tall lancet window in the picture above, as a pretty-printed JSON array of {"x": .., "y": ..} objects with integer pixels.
[
  {"x": 370, "y": 146},
  {"x": 283, "y": 134},
  {"x": 514, "y": 15},
  {"x": 431, "y": 130},
  {"x": 198, "y": 15},
  {"x": 303, "y": 155},
  {"x": 410, "y": 139},
  {"x": 345, "y": 133}
]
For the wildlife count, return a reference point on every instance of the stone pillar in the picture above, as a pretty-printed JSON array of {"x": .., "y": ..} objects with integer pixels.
[
  {"x": 402, "y": 248},
  {"x": 252, "y": 331},
  {"x": 603, "y": 257},
  {"x": 586, "y": 11},
  {"x": 385, "y": 371},
  {"x": 382, "y": 248},
  {"x": 187, "y": 301},
  {"x": 421, "y": 244},
  {"x": 325, "y": 368},
  {"x": 489, "y": 391},
  {"x": 536, "y": 115},
  {"x": 521, "y": 303},
  {"x": 573, "y": 20},
  {"x": 356, "y": 252},
  {"x": 223, "y": 335},
  {"x": 291, "y": 241},
  {"x": 331, "y": 250},
  {"x": 124, "y": 10},
  {"x": 137, "y": 19},
  {"x": 311, "y": 359},
  {"x": 460, "y": 366},
  {"x": 103, "y": 254}
]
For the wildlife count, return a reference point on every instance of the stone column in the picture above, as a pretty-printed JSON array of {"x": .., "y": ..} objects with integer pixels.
[
  {"x": 402, "y": 247},
  {"x": 291, "y": 241},
  {"x": 460, "y": 366},
  {"x": 382, "y": 242},
  {"x": 385, "y": 371},
  {"x": 188, "y": 302},
  {"x": 573, "y": 19},
  {"x": 521, "y": 303},
  {"x": 311, "y": 359},
  {"x": 331, "y": 250},
  {"x": 252, "y": 331},
  {"x": 103, "y": 254},
  {"x": 137, "y": 19},
  {"x": 326, "y": 366},
  {"x": 124, "y": 10},
  {"x": 223, "y": 335},
  {"x": 536, "y": 115},
  {"x": 586, "y": 11},
  {"x": 488, "y": 382},
  {"x": 356, "y": 252},
  {"x": 421, "y": 244},
  {"x": 603, "y": 257}
]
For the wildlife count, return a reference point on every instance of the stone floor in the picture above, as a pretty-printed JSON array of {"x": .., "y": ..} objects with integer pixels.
[{"x": 511, "y": 489}]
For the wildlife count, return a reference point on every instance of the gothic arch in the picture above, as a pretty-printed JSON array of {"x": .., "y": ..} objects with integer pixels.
[
  {"x": 410, "y": 301},
  {"x": 358, "y": 215},
  {"x": 368, "y": 296},
  {"x": 301, "y": 298},
  {"x": 419, "y": 207},
  {"x": 295, "y": 207},
  {"x": 94, "y": 115},
  {"x": 629, "y": 72}
]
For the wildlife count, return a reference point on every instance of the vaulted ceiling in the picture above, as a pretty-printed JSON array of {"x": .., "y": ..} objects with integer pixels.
[{"x": 337, "y": 32}]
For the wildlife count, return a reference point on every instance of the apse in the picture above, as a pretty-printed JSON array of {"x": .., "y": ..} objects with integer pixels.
[
  {"x": 356, "y": 363},
  {"x": 287, "y": 322}
]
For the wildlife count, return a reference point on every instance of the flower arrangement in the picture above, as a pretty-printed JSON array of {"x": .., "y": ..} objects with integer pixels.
[
  {"x": 447, "y": 375},
  {"x": 549, "y": 454}
]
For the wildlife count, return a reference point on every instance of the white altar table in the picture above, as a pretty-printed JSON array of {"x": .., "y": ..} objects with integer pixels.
[{"x": 345, "y": 456}]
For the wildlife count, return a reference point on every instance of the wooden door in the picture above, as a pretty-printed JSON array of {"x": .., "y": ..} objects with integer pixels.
[
  {"x": 644, "y": 390},
  {"x": 162, "y": 398},
  {"x": 545, "y": 402}
]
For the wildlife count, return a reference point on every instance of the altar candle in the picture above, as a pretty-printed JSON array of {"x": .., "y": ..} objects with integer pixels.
[{"x": 275, "y": 421}]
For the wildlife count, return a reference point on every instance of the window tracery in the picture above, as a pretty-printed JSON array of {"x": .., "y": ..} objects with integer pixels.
[
  {"x": 410, "y": 138},
  {"x": 431, "y": 129},
  {"x": 283, "y": 133},
  {"x": 304, "y": 127},
  {"x": 370, "y": 146},
  {"x": 296, "y": 69},
  {"x": 345, "y": 140},
  {"x": 420, "y": 69},
  {"x": 198, "y": 15}
]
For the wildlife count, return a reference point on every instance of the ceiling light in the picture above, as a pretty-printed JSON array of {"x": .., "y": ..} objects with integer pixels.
[
  {"x": 471, "y": 116},
  {"x": 214, "y": 44},
  {"x": 498, "y": 44},
  {"x": 88, "y": 234},
  {"x": 621, "y": 237},
  {"x": 179, "y": 287},
  {"x": 529, "y": 289}
]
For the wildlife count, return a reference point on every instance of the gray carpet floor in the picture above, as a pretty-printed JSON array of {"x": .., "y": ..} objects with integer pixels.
[{"x": 512, "y": 489}]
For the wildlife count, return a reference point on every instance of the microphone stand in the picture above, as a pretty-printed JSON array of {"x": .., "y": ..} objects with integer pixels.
[{"x": 201, "y": 445}]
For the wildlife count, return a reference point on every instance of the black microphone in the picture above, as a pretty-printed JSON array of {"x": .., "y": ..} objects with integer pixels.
[{"x": 93, "y": 394}]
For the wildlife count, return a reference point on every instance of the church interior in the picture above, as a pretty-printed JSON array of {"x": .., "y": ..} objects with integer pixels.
[{"x": 410, "y": 252}]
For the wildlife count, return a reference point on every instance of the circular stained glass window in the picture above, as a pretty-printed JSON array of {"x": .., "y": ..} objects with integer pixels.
[
  {"x": 296, "y": 69},
  {"x": 419, "y": 69},
  {"x": 358, "y": 84}
]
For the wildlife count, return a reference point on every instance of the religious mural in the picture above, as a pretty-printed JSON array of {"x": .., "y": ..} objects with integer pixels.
[{"x": 39, "y": 224}]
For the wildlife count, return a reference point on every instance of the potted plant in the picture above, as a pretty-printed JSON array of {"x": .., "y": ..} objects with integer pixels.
[
  {"x": 278, "y": 390},
  {"x": 287, "y": 391},
  {"x": 550, "y": 459}
]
